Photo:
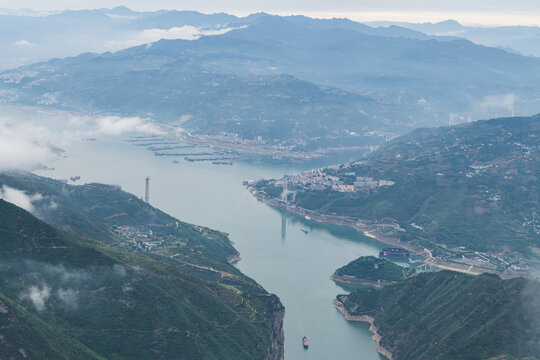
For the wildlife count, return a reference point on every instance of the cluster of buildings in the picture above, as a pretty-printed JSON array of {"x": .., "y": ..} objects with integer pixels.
[
  {"x": 319, "y": 180},
  {"x": 532, "y": 223},
  {"x": 478, "y": 260},
  {"x": 367, "y": 182},
  {"x": 139, "y": 238},
  {"x": 233, "y": 138}
]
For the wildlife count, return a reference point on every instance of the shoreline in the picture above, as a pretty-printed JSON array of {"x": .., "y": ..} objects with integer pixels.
[
  {"x": 364, "y": 318},
  {"x": 362, "y": 226},
  {"x": 259, "y": 150},
  {"x": 349, "y": 279},
  {"x": 245, "y": 148},
  {"x": 232, "y": 259},
  {"x": 368, "y": 228}
]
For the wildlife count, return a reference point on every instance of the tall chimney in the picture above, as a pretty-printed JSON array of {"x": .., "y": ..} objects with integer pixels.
[{"x": 147, "y": 192}]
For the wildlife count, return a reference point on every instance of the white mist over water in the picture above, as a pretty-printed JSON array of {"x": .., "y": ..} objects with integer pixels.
[{"x": 30, "y": 137}]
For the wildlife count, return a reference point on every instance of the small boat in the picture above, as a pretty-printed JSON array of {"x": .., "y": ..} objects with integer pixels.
[
  {"x": 304, "y": 231},
  {"x": 175, "y": 161},
  {"x": 305, "y": 343}
]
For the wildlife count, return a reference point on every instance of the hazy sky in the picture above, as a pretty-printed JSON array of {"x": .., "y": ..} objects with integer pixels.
[{"x": 467, "y": 11}]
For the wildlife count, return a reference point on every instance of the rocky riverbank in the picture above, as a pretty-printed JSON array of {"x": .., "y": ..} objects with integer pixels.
[
  {"x": 234, "y": 258},
  {"x": 373, "y": 328},
  {"x": 276, "y": 350}
]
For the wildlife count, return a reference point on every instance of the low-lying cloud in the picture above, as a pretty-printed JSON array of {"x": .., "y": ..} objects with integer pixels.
[
  {"x": 23, "y": 147},
  {"x": 26, "y": 144},
  {"x": 57, "y": 285},
  {"x": 24, "y": 43},
  {"x": 68, "y": 297},
  {"x": 502, "y": 102},
  {"x": 38, "y": 295},
  {"x": 20, "y": 198},
  {"x": 186, "y": 32},
  {"x": 114, "y": 125},
  {"x": 59, "y": 272}
]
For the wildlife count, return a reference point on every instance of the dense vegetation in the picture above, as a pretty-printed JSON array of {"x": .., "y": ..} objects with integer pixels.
[
  {"x": 129, "y": 302},
  {"x": 473, "y": 185},
  {"x": 372, "y": 268},
  {"x": 24, "y": 335},
  {"x": 447, "y": 315},
  {"x": 98, "y": 212}
]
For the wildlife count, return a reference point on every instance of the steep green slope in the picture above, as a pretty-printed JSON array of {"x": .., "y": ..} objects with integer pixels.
[
  {"x": 446, "y": 315},
  {"x": 473, "y": 185},
  {"x": 106, "y": 214},
  {"x": 372, "y": 268},
  {"x": 24, "y": 335},
  {"x": 127, "y": 305}
]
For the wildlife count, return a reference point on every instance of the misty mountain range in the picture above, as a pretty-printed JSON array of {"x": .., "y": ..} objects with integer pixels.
[
  {"x": 524, "y": 40},
  {"x": 286, "y": 79},
  {"x": 27, "y": 36}
]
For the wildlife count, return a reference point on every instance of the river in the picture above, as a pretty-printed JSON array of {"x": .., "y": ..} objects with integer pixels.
[{"x": 274, "y": 251}]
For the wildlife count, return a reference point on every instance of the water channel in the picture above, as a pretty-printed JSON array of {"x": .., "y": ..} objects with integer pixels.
[{"x": 275, "y": 252}]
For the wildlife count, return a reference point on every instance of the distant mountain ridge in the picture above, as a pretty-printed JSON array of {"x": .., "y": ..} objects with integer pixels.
[
  {"x": 105, "y": 29},
  {"x": 520, "y": 39},
  {"x": 289, "y": 79}
]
